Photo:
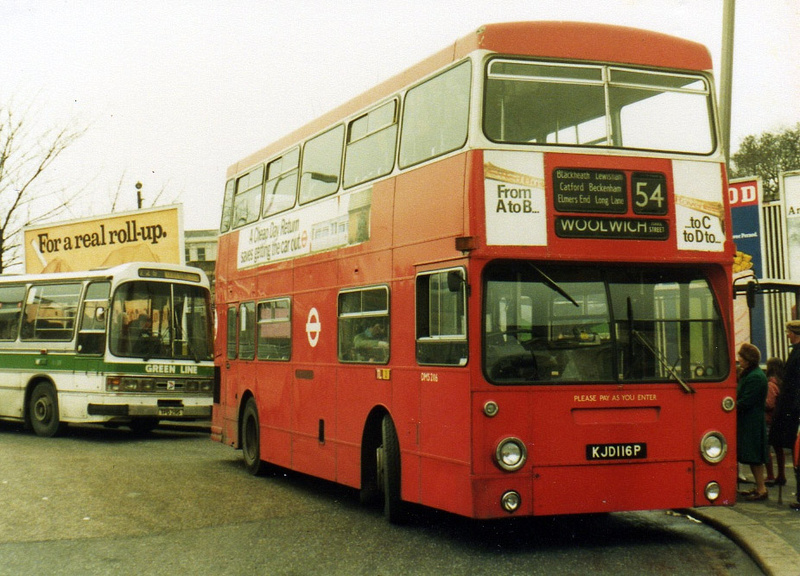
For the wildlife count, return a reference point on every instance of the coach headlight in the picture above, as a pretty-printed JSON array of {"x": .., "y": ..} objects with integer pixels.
[
  {"x": 713, "y": 447},
  {"x": 511, "y": 454}
]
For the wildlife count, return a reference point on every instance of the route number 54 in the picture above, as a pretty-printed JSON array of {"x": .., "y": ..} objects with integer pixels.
[{"x": 649, "y": 193}]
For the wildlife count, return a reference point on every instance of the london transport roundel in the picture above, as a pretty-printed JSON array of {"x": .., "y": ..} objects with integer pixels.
[{"x": 313, "y": 327}]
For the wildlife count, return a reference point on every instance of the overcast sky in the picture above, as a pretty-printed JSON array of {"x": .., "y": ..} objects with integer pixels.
[{"x": 175, "y": 91}]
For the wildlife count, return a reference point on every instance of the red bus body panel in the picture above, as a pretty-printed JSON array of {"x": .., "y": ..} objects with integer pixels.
[
  {"x": 314, "y": 410},
  {"x": 447, "y": 442}
]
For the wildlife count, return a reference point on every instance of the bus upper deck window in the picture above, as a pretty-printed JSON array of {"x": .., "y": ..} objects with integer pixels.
[
  {"x": 435, "y": 116},
  {"x": 247, "y": 199},
  {"x": 594, "y": 105},
  {"x": 322, "y": 157},
  {"x": 281, "y": 187}
]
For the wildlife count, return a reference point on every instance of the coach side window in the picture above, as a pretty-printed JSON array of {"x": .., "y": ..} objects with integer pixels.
[
  {"x": 92, "y": 331},
  {"x": 11, "y": 299},
  {"x": 364, "y": 325},
  {"x": 247, "y": 201},
  {"x": 50, "y": 312},
  {"x": 371, "y": 141},
  {"x": 436, "y": 116},
  {"x": 442, "y": 318},
  {"x": 322, "y": 163}
]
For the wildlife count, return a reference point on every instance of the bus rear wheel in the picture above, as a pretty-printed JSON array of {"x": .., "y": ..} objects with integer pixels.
[
  {"x": 251, "y": 439},
  {"x": 43, "y": 411},
  {"x": 388, "y": 455}
]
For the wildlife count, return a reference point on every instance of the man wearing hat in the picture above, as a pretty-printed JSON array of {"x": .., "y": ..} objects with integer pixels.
[{"x": 786, "y": 417}]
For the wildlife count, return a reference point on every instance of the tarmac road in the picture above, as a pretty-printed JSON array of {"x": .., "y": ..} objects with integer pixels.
[{"x": 100, "y": 501}]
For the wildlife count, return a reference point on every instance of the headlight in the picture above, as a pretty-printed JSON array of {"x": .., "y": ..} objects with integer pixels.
[
  {"x": 129, "y": 384},
  {"x": 511, "y": 454},
  {"x": 510, "y": 501},
  {"x": 713, "y": 447},
  {"x": 712, "y": 491}
]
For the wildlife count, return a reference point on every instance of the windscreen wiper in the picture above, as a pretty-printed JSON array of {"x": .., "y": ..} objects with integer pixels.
[
  {"x": 663, "y": 361},
  {"x": 553, "y": 285}
]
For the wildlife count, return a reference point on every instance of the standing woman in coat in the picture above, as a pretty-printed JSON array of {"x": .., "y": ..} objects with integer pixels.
[{"x": 751, "y": 425}]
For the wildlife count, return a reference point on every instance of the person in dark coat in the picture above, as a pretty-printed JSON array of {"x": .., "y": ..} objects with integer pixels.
[
  {"x": 751, "y": 424},
  {"x": 786, "y": 417}
]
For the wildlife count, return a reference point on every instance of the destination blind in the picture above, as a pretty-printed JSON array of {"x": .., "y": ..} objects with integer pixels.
[
  {"x": 613, "y": 228},
  {"x": 586, "y": 190},
  {"x": 581, "y": 190}
]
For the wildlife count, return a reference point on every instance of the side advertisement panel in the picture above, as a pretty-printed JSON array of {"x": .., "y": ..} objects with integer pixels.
[{"x": 340, "y": 221}]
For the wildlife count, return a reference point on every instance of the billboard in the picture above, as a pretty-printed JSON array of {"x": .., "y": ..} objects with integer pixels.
[
  {"x": 154, "y": 235},
  {"x": 790, "y": 193},
  {"x": 745, "y": 196}
]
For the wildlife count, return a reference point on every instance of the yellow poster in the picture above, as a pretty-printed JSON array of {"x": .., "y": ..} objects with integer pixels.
[{"x": 154, "y": 235}]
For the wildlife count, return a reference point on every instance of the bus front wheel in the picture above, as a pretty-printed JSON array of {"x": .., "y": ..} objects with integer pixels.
[
  {"x": 389, "y": 473},
  {"x": 43, "y": 411},
  {"x": 251, "y": 439}
]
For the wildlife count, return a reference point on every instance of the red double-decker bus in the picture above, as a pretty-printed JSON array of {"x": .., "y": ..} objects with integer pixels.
[{"x": 498, "y": 284}]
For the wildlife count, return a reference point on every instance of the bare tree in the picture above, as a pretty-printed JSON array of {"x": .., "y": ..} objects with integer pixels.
[{"x": 27, "y": 196}]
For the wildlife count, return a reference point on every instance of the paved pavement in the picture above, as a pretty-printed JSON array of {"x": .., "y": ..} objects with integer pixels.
[{"x": 768, "y": 530}]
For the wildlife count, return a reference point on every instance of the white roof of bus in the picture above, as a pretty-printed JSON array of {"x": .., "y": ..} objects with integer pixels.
[
  {"x": 551, "y": 40},
  {"x": 98, "y": 272}
]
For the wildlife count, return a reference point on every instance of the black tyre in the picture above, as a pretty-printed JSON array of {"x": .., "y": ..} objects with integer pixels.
[
  {"x": 371, "y": 493},
  {"x": 389, "y": 473},
  {"x": 43, "y": 411},
  {"x": 251, "y": 439}
]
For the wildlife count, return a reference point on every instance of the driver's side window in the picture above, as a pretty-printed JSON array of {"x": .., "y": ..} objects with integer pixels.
[{"x": 442, "y": 317}]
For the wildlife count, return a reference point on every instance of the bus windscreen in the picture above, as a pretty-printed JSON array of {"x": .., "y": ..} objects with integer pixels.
[
  {"x": 553, "y": 324},
  {"x": 160, "y": 320}
]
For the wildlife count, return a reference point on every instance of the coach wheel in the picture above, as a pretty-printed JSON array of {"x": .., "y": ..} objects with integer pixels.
[
  {"x": 389, "y": 473},
  {"x": 43, "y": 410},
  {"x": 251, "y": 439}
]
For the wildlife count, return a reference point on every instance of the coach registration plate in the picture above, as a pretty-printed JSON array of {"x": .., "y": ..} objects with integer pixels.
[
  {"x": 170, "y": 411},
  {"x": 628, "y": 450}
]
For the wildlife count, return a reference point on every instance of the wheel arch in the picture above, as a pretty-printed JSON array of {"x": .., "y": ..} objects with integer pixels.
[{"x": 246, "y": 395}]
